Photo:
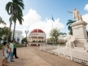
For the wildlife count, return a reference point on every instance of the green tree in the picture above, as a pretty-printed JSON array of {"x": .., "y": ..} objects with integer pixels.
[
  {"x": 63, "y": 33},
  {"x": 24, "y": 40},
  {"x": 69, "y": 27},
  {"x": 3, "y": 33},
  {"x": 2, "y": 21},
  {"x": 55, "y": 33},
  {"x": 14, "y": 8},
  {"x": 87, "y": 32}
]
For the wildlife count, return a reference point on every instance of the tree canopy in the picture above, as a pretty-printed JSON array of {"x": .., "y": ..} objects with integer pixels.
[
  {"x": 69, "y": 27},
  {"x": 2, "y": 21},
  {"x": 54, "y": 34},
  {"x": 4, "y": 33}
]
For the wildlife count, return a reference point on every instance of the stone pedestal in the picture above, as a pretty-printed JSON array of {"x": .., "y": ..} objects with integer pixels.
[{"x": 79, "y": 31}]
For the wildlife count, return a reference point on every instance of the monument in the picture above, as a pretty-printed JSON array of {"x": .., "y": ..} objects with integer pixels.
[
  {"x": 79, "y": 29},
  {"x": 76, "y": 48}
]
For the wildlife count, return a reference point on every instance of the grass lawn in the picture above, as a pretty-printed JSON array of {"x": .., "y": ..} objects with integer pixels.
[{"x": 18, "y": 45}]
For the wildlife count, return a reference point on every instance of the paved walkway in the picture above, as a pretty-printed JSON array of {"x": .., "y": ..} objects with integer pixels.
[{"x": 32, "y": 56}]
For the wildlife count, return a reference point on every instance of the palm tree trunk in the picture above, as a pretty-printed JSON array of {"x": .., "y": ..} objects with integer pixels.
[
  {"x": 9, "y": 31},
  {"x": 14, "y": 30}
]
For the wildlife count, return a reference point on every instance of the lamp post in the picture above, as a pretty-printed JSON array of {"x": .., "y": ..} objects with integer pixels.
[{"x": 26, "y": 32}]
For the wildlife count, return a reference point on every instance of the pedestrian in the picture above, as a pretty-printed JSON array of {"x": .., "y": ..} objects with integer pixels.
[
  {"x": 15, "y": 51},
  {"x": 11, "y": 47},
  {"x": 5, "y": 54}
]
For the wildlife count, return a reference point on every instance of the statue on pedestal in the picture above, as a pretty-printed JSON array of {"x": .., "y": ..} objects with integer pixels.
[{"x": 76, "y": 15}]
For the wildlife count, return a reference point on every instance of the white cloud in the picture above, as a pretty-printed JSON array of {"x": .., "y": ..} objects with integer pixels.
[
  {"x": 46, "y": 26},
  {"x": 2, "y": 25},
  {"x": 85, "y": 18},
  {"x": 86, "y": 7},
  {"x": 33, "y": 20},
  {"x": 31, "y": 17}
]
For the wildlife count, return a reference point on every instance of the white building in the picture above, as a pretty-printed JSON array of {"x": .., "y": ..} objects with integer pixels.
[
  {"x": 18, "y": 36},
  {"x": 37, "y": 37}
]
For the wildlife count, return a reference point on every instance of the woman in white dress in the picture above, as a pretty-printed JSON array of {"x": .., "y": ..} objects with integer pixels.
[{"x": 5, "y": 54}]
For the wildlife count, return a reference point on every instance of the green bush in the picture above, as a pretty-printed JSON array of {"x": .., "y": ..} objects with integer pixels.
[
  {"x": 39, "y": 41},
  {"x": 18, "y": 45},
  {"x": 33, "y": 41}
]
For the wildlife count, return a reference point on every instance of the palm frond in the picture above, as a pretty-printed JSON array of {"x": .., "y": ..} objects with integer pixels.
[
  {"x": 19, "y": 3},
  {"x": 17, "y": 9},
  {"x": 70, "y": 22},
  {"x": 8, "y": 7}
]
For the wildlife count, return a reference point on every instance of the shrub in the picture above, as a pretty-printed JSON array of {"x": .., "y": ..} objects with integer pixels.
[
  {"x": 33, "y": 41},
  {"x": 20, "y": 45},
  {"x": 39, "y": 41}
]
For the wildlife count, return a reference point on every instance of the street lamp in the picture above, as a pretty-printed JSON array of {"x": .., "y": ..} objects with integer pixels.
[{"x": 26, "y": 32}]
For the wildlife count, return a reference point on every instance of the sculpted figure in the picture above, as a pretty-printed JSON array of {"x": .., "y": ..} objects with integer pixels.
[
  {"x": 76, "y": 15},
  {"x": 70, "y": 41}
]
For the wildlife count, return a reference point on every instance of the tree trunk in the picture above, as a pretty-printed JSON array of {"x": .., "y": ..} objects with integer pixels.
[
  {"x": 0, "y": 41},
  {"x": 14, "y": 30},
  {"x": 9, "y": 31}
]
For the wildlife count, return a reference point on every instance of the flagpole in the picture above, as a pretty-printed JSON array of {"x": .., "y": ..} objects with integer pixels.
[
  {"x": 52, "y": 21},
  {"x": 52, "y": 24}
]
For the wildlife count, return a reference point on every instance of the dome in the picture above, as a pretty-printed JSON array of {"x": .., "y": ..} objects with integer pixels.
[{"x": 37, "y": 30}]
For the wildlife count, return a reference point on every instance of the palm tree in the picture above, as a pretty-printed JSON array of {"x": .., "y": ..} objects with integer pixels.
[
  {"x": 18, "y": 17},
  {"x": 69, "y": 27},
  {"x": 14, "y": 8},
  {"x": 2, "y": 21}
]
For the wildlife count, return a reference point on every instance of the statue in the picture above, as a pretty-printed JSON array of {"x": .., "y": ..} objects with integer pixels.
[
  {"x": 76, "y": 15},
  {"x": 70, "y": 41}
]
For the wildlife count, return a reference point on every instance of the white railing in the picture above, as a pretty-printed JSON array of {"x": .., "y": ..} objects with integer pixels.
[{"x": 76, "y": 54}]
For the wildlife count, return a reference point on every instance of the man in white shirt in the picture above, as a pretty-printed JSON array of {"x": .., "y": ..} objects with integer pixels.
[
  {"x": 11, "y": 50},
  {"x": 11, "y": 46}
]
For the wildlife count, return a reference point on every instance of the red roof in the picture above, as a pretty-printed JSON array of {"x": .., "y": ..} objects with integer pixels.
[{"x": 37, "y": 30}]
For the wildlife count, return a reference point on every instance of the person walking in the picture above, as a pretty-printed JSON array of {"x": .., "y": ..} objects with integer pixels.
[
  {"x": 15, "y": 51},
  {"x": 5, "y": 53}
]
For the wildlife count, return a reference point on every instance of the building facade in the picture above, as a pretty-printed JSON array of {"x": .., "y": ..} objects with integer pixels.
[
  {"x": 18, "y": 36},
  {"x": 36, "y": 37}
]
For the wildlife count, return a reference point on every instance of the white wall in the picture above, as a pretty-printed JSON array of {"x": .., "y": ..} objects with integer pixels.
[{"x": 18, "y": 36}]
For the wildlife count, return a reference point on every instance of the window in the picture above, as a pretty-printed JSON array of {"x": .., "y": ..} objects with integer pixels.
[{"x": 18, "y": 39}]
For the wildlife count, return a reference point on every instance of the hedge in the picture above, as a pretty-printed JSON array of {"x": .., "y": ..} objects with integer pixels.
[{"x": 18, "y": 45}]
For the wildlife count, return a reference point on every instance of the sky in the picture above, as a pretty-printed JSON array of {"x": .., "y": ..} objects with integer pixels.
[{"x": 38, "y": 14}]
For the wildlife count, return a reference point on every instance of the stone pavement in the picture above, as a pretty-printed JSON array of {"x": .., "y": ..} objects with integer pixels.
[{"x": 32, "y": 56}]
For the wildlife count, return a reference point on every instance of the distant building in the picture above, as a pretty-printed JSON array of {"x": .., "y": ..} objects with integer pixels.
[
  {"x": 37, "y": 37},
  {"x": 18, "y": 36}
]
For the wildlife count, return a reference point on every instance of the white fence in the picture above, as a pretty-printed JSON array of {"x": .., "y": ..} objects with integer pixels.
[{"x": 75, "y": 54}]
